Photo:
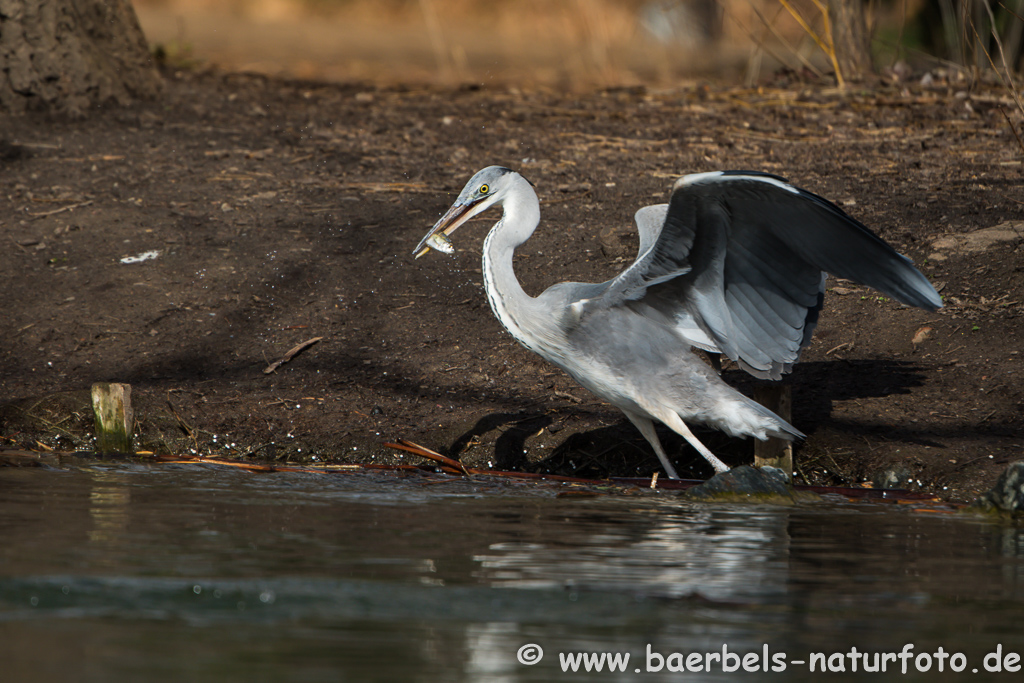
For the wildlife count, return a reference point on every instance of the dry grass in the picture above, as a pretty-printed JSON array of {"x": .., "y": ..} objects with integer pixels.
[
  {"x": 563, "y": 43},
  {"x": 568, "y": 44}
]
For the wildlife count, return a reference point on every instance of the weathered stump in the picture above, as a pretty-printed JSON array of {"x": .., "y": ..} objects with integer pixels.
[
  {"x": 112, "y": 405},
  {"x": 72, "y": 55},
  {"x": 851, "y": 39}
]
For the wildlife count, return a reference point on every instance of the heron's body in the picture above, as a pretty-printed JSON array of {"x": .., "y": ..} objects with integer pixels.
[{"x": 734, "y": 264}]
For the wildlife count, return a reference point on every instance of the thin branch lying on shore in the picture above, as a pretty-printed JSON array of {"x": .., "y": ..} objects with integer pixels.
[
  {"x": 292, "y": 352},
  {"x": 69, "y": 207}
]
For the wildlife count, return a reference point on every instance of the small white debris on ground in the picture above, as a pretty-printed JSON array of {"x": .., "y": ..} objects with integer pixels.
[{"x": 144, "y": 256}]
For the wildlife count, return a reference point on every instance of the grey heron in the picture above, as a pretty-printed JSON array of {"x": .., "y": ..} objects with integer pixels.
[{"x": 735, "y": 263}]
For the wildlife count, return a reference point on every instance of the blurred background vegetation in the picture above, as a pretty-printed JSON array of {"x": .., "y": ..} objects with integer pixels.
[{"x": 576, "y": 44}]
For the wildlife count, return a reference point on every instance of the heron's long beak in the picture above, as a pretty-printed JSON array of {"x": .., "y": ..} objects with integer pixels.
[{"x": 458, "y": 214}]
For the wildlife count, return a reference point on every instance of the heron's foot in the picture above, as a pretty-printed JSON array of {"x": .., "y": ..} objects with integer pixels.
[
  {"x": 720, "y": 470},
  {"x": 716, "y": 463},
  {"x": 669, "y": 470}
]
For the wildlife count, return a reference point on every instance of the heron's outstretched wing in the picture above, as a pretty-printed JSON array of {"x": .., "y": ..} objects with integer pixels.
[
  {"x": 738, "y": 266},
  {"x": 649, "y": 221}
]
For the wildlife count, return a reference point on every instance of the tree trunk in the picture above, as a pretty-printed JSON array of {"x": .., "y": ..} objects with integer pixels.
[
  {"x": 850, "y": 38},
  {"x": 70, "y": 55}
]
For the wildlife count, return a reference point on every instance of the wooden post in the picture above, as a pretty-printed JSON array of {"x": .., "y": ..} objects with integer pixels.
[
  {"x": 775, "y": 452},
  {"x": 112, "y": 405}
]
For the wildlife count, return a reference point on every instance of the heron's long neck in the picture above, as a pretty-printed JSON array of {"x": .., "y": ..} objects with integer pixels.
[{"x": 516, "y": 309}]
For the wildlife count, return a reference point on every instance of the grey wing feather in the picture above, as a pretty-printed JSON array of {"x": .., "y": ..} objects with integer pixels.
[
  {"x": 651, "y": 266},
  {"x": 738, "y": 266},
  {"x": 649, "y": 221},
  {"x": 822, "y": 234}
]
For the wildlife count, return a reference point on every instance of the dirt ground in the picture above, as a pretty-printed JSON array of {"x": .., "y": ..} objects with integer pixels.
[{"x": 284, "y": 211}]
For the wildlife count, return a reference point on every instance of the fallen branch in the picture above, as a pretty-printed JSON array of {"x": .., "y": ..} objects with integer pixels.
[
  {"x": 69, "y": 207},
  {"x": 182, "y": 425},
  {"x": 841, "y": 347},
  {"x": 425, "y": 452},
  {"x": 294, "y": 351}
]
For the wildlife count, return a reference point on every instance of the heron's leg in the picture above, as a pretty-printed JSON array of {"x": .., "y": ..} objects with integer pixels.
[
  {"x": 646, "y": 428},
  {"x": 679, "y": 427}
]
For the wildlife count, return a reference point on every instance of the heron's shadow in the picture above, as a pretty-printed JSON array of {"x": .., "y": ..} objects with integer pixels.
[
  {"x": 620, "y": 450},
  {"x": 818, "y": 384},
  {"x": 509, "y": 447}
]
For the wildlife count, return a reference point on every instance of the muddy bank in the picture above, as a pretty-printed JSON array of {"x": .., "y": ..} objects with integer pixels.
[{"x": 256, "y": 214}]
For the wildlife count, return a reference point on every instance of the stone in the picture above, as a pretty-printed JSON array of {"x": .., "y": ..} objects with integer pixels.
[
  {"x": 1008, "y": 493},
  {"x": 749, "y": 484},
  {"x": 895, "y": 477}
]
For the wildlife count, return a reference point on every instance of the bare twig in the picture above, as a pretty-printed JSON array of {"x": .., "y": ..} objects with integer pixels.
[
  {"x": 770, "y": 26},
  {"x": 292, "y": 352},
  {"x": 844, "y": 345},
  {"x": 437, "y": 41},
  {"x": 51, "y": 425},
  {"x": 423, "y": 451},
  {"x": 824, "y": 44},
  {"x": 1013, "y": 129},
  {"x": 69, "y": 207},
  {"x": 184, "y": 426},
  {"x": 1006, "y": 74},
  {"x": 830, "y": 40}
]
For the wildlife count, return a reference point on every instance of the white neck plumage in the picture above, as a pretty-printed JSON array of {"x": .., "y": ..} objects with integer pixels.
[{"x": 511, "y": 305}]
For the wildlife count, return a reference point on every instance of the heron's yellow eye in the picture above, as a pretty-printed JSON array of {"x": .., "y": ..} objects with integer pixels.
[{"x": 484, "y": 189}]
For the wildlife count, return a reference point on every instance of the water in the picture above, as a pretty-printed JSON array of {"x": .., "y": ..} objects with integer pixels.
[{"x": 191, "y": 573}]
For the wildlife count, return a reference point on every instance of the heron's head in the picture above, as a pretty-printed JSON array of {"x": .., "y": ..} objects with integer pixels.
[{"x": 485, "y": 189}]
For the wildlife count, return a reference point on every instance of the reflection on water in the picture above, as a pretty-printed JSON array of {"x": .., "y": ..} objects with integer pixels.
[
  {"x": 190, "y": 573},
  {"x": 718, "y": 554},
  {"x": 108, "y": 508}
]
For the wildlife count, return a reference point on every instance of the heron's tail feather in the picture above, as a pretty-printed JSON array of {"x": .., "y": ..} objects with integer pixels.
[{"x": 738, "y": 415}]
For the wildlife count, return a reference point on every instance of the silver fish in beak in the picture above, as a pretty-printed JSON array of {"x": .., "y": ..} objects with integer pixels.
[
  {"x": 439, "y": 242},
  {"x": 437, "y": 238},
  {"x": 477, "y": 196}
]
